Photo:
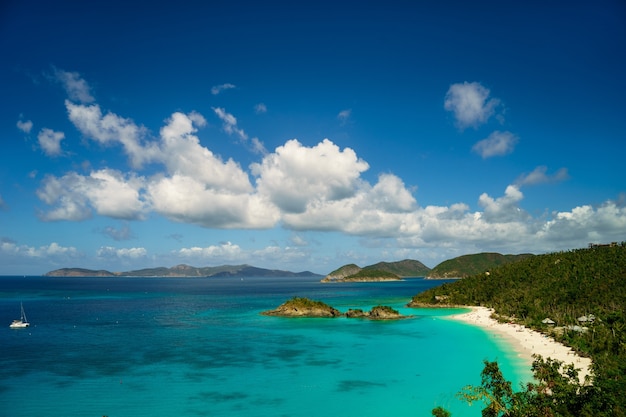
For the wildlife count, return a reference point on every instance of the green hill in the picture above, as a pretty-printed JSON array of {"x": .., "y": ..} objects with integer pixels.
[
  {"x": 567, "y": 287},
  {"x": 466, "y": 265},
  {"x": 389, "y": 270},
  {"x": 405, "y": 268},
  {"x": 370, "y": 274}
]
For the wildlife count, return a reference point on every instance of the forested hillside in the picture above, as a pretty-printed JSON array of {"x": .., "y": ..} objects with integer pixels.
[
  {"x": 467, "y": 265},
  {"x": 583, "y": 291}
]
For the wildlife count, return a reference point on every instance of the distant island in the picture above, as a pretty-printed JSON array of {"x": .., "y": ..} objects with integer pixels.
[
  {"x": 183, "y": 271},
  {"x": 382, "y": 271},
  {"x": 304, "y": 307},
  {"x": 459, "y": 267}
]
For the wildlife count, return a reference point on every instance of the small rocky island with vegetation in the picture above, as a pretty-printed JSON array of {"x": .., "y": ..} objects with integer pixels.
[{"x": 304, "y": 307}]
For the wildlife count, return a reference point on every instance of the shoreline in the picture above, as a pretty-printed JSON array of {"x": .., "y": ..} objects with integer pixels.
[{"x": 526, "y": 342}]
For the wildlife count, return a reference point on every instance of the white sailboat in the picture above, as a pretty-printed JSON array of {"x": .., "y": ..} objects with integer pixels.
[{"x": 22, "y": 322}]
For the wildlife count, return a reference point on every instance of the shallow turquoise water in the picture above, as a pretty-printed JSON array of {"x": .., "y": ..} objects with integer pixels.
[{"x": 199, "y": 347}]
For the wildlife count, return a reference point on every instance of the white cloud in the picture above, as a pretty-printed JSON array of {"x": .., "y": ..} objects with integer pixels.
[
  {"x": 112, "y": 129},
  {"x": 25, "y": 126},
  {"x": 183, "y": 155},
  {"x": 121, "y": 253},
  {"x": 303, "y": 188},
  {"x": 344, "y": 116},
  {"x": 295, "y": 176},
  {"x": 216, "y": 89},
  {"x": 185, "y": 199},
  {"x": 539, "y": 176},
  {"x": 503, "y": 209},
  {"x": 75, "y": 86},
  {"x": 586, "y": 224},
  {"x": 229, "y": 126},
  {"x": 470, "y": 104},
  {"x": 107, "y": 192},
  {"x": 230, "y": 123},
  {"x": 224, "y": 251},
  {"x": 391, "y": 195},
  {"x": 50, "y": 141},
  {"x": 53, "y": 250},
  {"x": 381, "y": 210},
  {"x": 260, "y": 108},
  {"x": 497, "y": 144}
]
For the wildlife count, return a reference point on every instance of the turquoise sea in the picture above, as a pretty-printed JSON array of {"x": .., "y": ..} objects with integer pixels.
[{"x": 199, "y": 347}]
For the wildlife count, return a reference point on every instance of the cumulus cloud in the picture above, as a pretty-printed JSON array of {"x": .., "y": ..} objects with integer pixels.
[
  {"x": 183, "y": 155},
  {"x": 107, "y": 192},
  {"x": 470, "y": 103},
  {"x": 539, "y": 176},
  {"x": 50, "y": 141},
  {"x": 585, "y": 224},
  {"x": 217, "y": 89},
  {"x": 382, "y": 210},
  {"x": 503, "y": 209},
  {"x": 295, "y": 176},
  {"x": 75, "y": 86},
  {"x": 497, "y": 144},
  {"x": 301, "y": 188},
  {"x": 51, "y": 251},
  {"x": 185, "y": 199},
  {"x": 121, "y": 253},
  {"x": 223, "y": 251},
  {"x": 25, "y": 125}
]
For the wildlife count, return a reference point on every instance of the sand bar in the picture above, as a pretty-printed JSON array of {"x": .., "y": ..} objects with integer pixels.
[{"x": 525, "y": 341}]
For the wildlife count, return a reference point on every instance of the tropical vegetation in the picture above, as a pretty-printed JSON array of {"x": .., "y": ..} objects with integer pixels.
[
  {"x": 579, "y": 298},
  {"x": 467, "y": 265}
]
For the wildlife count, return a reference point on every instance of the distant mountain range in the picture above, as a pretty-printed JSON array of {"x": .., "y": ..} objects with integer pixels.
[
  {"x": 183, "y": 271},
  {"x": 460, "y": 267}
]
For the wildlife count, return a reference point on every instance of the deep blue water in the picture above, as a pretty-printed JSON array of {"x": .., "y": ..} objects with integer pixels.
[{"x": 199, "y": 347}]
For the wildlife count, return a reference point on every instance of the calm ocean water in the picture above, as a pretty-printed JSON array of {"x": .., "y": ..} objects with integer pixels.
[{"x": 199, "y": 347}]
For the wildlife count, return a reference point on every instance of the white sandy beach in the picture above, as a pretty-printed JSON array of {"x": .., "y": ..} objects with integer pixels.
[{"x": 526, "y": 341}]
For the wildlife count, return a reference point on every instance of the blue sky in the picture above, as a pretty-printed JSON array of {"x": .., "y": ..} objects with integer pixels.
[{"x": 309, "y": 135}]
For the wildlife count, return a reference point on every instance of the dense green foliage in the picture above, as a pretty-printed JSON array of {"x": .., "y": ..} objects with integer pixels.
[
  {"x": 386, "y": 309},
  {"x": 303, "y": 302},
  {"x": 405, "y": 268},
  {"x": 466, "y": 265},
  {"x": 372, "y": 273},
  {"x": 556, "y": 392},
  {"x": 563, "y": 286}
]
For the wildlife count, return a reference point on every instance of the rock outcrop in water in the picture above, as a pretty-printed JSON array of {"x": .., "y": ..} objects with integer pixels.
[{"x": 303, "y": 307}]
